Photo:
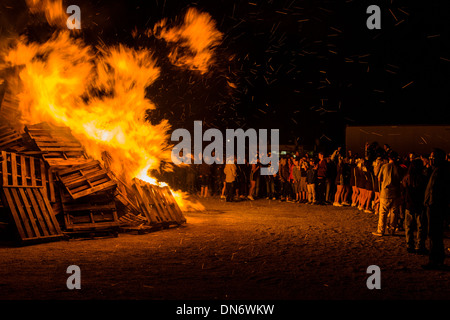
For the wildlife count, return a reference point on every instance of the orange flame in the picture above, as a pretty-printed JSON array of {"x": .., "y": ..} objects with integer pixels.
[
  {"x": 61, "y": 82},
  {"x": 195, "y": 38},
  {"x": 101, "y": 94},
  {"x": 52, "y": 9}
]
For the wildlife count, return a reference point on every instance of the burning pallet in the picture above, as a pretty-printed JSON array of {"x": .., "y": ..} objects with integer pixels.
[
  {"x": 50, "y": 188},
  {"x": 58, "y": 147}
]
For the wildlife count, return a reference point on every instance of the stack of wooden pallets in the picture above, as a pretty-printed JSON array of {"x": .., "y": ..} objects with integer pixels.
[{"x": 51, "y": 189}]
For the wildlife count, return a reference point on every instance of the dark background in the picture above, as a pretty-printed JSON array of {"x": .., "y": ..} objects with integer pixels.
[{"x": 308, "y": 68}]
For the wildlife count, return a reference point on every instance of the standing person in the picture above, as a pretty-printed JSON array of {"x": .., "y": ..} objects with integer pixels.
[
  {"x": 321, "y": 179},
  {"x": 224, "y": 183},
  {"x": 359, "y": 183},
  {"x": 368, "y": 207},
  {"x": 339, "y": 195},
  {"x": 311, "y": 175},
  {"x": 303, "y": 188},
  {"x": 242, "y": 180},
  {"x": 284, "y": 179},
  {"x": 254, "y": 172},
  {"x": 205, "y": 178},
  {"x": 378, "y": 163},
  {"x": 346, "y": 176},
  {"x": 390, "y": 196},
  {"x": 270, "y": 182},
  {"x": 352, "y": 164},
  {"x": 330, "y": 181},
  {"x": 230, "y": 171},
  {"x": 296, "y": 177},
  {"x": 414, "y": 184},
  {"x": 292, "y": 185},
  {"x": 190, "y": 176},
  {"x": 437, "y": 201}
]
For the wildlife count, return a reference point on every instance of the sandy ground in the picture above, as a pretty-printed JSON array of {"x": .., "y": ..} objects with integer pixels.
[{"x": 245, "y": 250}]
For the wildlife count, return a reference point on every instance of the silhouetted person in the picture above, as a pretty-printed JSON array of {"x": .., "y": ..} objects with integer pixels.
[
  {"x": 414, "y": 184},
  {"x": 437, "y": 200}
]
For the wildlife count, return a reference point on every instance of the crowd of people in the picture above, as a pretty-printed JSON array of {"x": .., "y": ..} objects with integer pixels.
[{"x": 410, "y": 193}]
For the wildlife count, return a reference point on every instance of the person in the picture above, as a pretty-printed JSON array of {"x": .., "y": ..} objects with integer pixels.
[
  {"x": 296, "y": 180},
  {"x": 330, "y": 181},
  {"x": 270, "y": 182},
  {"x": 311, "y": 175},
  {"x": 346, "y": 182},
  {"x": 292, "y": 186},
  {"x": 321, "y": 179},
  {"x": 205, "y": 177},
  {"x": 378, "y": 163},
  {"x": 339, "y": 195},
  {"x": 353, "y": 178},
  {"x": 230, "y": 171},
  {"x": 284, "y": 179},
  {"x": 437, "y": 201},
  {"x": 190, "y": 177},
  {"x": 302, "y": 187},
  {"x": 241, "y": 182},
  {"x": 359, "y": 183},
  {"x": 336, "y": 154},
  {"x": 390, "y": 183},
  {"x": 414, "y": 184},
  {"x": 253, "y": 178},
  {"x": 369, "y": 185}
]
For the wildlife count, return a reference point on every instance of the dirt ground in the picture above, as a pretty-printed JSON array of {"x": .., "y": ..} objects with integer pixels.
[{"x": 250, "y": 250}]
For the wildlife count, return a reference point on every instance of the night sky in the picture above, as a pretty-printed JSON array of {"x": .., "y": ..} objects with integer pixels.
[{"x": 308, "y": 68}]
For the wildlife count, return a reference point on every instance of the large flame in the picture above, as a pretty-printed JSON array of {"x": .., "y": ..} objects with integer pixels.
[
  {"x": 196, "y": 38},
  {"x": 52, "y": 9},
  {"x": 100, "y": 93},
  {"x": 101, "y": 97}
]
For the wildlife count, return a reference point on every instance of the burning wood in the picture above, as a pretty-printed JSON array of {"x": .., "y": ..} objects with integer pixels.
[
  {"x": 58, "y": 146},
  {"x": 81, "y": 111},
  {"x": 85, "y": 179},
  {"x": 50, "y": 188}
]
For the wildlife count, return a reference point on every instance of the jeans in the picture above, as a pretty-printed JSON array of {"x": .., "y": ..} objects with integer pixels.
[
  {"x": 415, "y": 221},
  {"x": 230, "y": 191},
  {"x": 320, "y": 190},
  {"x": 270, "y": 186},
  {"x": 389, "y": 213},
  {"x": 435, "y": 215},
  {"x": 311, "y": 192}
]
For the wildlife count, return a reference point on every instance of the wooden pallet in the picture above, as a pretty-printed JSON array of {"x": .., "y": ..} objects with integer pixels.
[
  {"x": 91, "y": 213},
  {"x": 22, "y": 171},
  {"x": 58, "y": 146},
  {"x": 132, "y": 220},
  {"x": 86, "y": 179},
  {"x": 169, "y": 201},
  {"x": 9, "y": 107},
  {"x": 31, "y": 213},
  {"x": 156, "y": 204},
  {"x": 10, "y": 139}
]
